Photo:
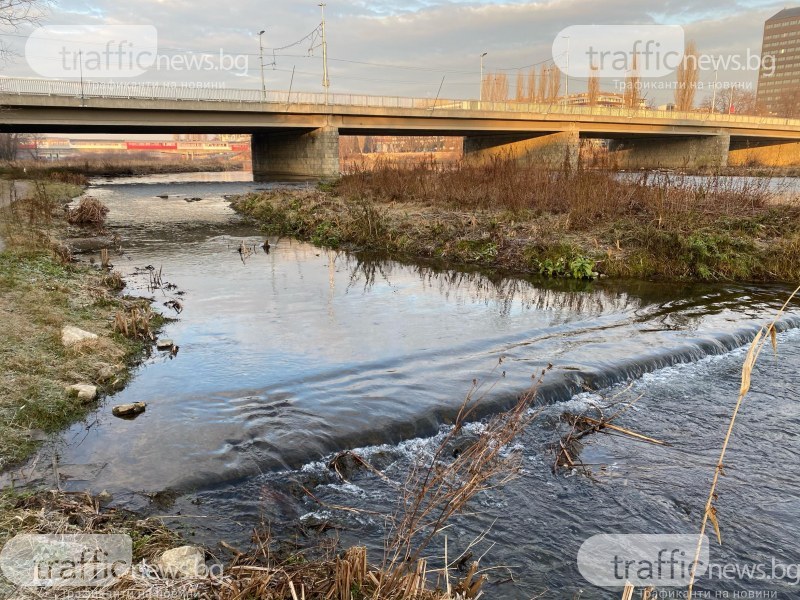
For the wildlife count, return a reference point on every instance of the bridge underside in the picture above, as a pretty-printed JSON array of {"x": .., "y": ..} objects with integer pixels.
[
  {"x": 670, "y": 152},
  {"x": 303, "y": 141}
]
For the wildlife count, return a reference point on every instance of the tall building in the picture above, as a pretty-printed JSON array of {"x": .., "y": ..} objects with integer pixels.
[{"x": 779, "y": 76}]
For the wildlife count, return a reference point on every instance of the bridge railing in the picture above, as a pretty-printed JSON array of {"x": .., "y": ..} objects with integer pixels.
[{"x": 135, "y": 90}]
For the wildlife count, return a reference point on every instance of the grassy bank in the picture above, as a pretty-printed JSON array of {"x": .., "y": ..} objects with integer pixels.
[
  {"x": 112, "y": 166},
  {"x": 567, "y": 223},
  {"x": 41, "y": 291}
]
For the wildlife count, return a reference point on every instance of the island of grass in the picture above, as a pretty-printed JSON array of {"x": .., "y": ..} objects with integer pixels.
[{"x": 568, "y": 223}]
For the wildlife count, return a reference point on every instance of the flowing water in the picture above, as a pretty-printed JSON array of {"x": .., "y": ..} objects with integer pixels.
[{"x": 289, "y": 356}]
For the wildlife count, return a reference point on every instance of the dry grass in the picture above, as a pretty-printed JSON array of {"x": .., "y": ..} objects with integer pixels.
[
  {"x": 90, "y": 212},
  {"x": 585, "y": 196},
  {"x": 136, "y": 323}
]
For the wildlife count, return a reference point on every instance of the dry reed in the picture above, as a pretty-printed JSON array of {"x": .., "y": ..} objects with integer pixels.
[
  {"x": 765, "y": 334},
  {"x": 90, "y": 212}
]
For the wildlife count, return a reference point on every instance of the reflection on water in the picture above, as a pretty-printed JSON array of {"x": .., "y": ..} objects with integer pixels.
[{"x": 290, "y": 355}]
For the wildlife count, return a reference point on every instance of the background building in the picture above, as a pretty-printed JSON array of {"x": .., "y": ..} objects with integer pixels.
[{"x": 779, "y": 77}]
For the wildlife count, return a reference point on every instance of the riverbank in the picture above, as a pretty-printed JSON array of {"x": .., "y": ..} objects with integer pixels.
[
  {"x": 83, "y": 168},
  {"x": 580, "y": 224},
  {"x": 42, "y": 292}
]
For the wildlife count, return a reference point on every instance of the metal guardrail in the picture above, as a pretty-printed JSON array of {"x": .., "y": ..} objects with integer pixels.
[{"x": 133, "y": 90}]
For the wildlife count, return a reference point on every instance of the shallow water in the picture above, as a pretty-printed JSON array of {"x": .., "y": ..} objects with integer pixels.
[{"x": 289, "y": 356}]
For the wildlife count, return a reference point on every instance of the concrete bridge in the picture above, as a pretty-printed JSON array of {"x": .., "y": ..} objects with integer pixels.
[{"x": 297, "y": 134}]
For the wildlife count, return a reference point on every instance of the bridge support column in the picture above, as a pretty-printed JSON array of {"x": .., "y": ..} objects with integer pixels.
[
  {"x": 298, "y": 154},
  {"x": 553, "y": 150},
  {"x": 672, "y": 152},
  {"x": 764, "y": 154}
]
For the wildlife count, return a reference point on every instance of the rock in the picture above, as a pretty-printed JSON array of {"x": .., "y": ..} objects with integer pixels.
[
  {"x": 129, "y": 410},
  {"x": 72, "y": 336},
  {"x": 165, "y": 344},
  {"x": 193, "y": 199},
  {"x": 186, "y": 561},
  {"x": 83, "y": 391},
  {"x": 106, "y": 373}
]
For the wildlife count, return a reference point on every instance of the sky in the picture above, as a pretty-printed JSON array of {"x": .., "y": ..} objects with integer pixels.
[{"x": 417, "y": 48}]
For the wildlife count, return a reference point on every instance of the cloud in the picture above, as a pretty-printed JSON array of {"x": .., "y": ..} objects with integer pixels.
[{"x": 405, "y": 49}]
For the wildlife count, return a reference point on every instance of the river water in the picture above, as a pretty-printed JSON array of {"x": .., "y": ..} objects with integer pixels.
[{"x": 290, "y": 356}]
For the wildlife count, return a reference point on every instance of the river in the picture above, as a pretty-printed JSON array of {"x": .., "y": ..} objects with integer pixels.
[{"x": 289, "y": 356}]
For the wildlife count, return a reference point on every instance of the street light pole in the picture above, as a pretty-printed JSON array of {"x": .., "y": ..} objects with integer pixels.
[
  {"x": 480, "y": 97},
  {"x": 261, "y": 57},
  {"x": 325, "y": 81}
]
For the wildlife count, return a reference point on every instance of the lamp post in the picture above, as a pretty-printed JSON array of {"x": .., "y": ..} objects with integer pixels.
[
  {"x": 261, "y": 60},
  {"x": 480, "y": 97}
]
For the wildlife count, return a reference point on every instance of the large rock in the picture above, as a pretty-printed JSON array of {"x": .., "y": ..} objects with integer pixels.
[
  {"x": 72, "y": 336},
  {"x": 129, "y": 410},
  {"x": 164, "y": 344},
  {"x": 186, "y": 561},
  {"x": 83, "y": 391}
]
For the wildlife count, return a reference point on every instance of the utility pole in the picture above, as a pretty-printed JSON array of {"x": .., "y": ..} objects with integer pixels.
[
  {"x": 480, "y": 97},
  {"x": 325, "y": 81},
  {"x": 261, "y": 57}
]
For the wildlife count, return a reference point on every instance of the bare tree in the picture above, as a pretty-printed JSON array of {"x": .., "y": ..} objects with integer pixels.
[
  {"x": 495, "y": 87},
  {"x": 16, "y": 13},
  {"x": 632, "y": 97},
  {"x": 486, "y": 86},
  {"x": 593, "y": 91},
  {"x": 520, "y": 91},
  {"x": 555, "y": 83},
  {"x": 9, "y": 146},
  {"x": 500, "y": 92},
  {"x": 544, "y": 84},
  {"x": 687, "y": 79},
  {"x": 531, "y": 95},
  {"x": 732, "y": 100}
]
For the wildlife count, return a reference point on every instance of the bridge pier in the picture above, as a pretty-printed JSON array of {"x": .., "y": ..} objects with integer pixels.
[
  {"x": 553, "y": 150},
  {"x": 672, "y": 152},
  {"x": 770, "y": 153},
  {"x": 296, "y": 154}
]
